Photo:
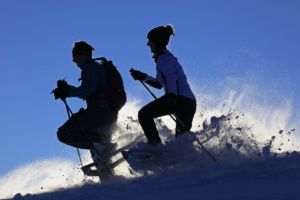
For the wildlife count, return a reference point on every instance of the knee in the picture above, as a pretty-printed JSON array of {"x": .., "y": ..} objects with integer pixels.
[
  {"x": 142, "y": 113},
  {"x": 61, "y": 136}
]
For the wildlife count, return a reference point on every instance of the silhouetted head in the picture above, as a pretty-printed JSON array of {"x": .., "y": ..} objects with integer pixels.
[
  {"x": 158, "y": 38},
  {"x": 81, "y": 52}
]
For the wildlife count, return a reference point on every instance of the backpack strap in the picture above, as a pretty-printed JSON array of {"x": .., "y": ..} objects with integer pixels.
[{"x": 103, "y": 62}]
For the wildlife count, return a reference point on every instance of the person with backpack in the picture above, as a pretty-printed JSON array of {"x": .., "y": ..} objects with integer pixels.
[
  {"x": 178, "y": 99},
  {"x": 102, "y": 89}
]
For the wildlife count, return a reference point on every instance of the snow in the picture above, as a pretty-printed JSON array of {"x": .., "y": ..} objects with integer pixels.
[
  {"x": 257, "y": 157},
  {"x": 268, "y": 179}
]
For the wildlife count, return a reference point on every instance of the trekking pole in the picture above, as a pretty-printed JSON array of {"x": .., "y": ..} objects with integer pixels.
[
  {"x": 70, "y": 113},
  {"x": 175, "y": 118},
  {"x": 156, "y": 98},
  {"x": 142, "y": 82}
]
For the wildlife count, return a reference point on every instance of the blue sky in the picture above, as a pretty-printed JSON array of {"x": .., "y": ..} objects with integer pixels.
[{"x": 214, "y": 40}]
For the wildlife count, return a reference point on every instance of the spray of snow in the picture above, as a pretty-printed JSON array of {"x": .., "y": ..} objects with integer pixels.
[
  {"x": 40, "y": 176},
  {"x": 57, "y": 173},
  {"x": 234, "y": 127}
]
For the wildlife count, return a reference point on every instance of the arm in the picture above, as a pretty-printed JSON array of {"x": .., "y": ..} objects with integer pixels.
[
  {"x": 88, "y": 85},
  {"x": 153, "y": 82},
  {"x": 166, "y": 74},
  {"x": 141, "y": 76}
]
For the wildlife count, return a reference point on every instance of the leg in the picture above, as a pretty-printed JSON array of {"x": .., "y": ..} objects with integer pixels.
[
  {"x": 159, "y": 107},
  {"x": 100, "y": 124},
  {"x": 86, "y": 127},
  {"x": 102, "y": 164},
  {"x": 185, "y": 112},
  {"x": 72, "y": 132}
]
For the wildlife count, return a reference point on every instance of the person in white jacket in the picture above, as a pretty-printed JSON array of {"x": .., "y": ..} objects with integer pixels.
[{"x": 178, "y": 99}]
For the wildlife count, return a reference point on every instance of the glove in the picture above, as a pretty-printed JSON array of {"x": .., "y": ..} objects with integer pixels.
[
  {"x": 138, "y": 75},
  {"x": 60, "y": 93},
  {"x": 62, "y": 84}
]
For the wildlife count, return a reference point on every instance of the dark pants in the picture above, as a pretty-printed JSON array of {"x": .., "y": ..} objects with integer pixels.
[
  {"x": 183, "y": 108},
  {"x": 86, "y": 127}
]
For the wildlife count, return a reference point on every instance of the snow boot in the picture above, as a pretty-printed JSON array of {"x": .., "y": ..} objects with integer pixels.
[{"x": 100, "y": 154}]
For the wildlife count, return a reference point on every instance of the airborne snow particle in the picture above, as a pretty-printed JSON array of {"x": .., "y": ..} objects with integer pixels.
[{"x": 273, "y": 138}]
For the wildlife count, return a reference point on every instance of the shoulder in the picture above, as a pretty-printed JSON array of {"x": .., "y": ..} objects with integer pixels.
[
  {"x": 92, "y": 69},
  {"x": 91, "y": 66},
  {"x": 165, "y": 58}
]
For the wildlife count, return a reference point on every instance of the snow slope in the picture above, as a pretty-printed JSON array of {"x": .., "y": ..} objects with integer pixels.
[
  {"x": 250, "y": 142},
  {"x": 268, "y": 179}
]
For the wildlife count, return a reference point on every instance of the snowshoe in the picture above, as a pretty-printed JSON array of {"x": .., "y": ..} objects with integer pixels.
[
  {"x": 149, "y": 158},
  {"x": 102, "y": 154}
]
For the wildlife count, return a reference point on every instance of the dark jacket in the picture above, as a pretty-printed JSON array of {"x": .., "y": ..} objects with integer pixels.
[{"x": 93, "y": 83}]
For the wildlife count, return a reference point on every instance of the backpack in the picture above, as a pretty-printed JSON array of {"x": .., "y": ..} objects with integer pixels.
[{"x": 115, "y": 93}]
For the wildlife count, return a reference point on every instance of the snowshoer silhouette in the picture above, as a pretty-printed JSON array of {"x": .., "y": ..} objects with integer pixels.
[
  {"x": 178, "y": 99},
  {"x": 90, "y": 128}
]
